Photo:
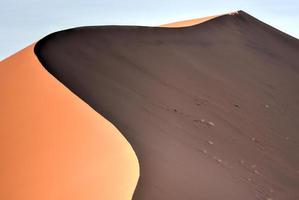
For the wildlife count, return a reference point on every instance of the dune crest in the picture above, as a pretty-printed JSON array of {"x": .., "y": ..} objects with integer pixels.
[
  {"x": 187, "y": 23},
  {"x": 52, "y": 144}
]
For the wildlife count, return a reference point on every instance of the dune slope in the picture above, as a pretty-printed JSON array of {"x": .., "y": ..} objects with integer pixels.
[
  {"x": 212, "y": 110},
  {"x": 187, "y": 23},
  {"x": 52, "y": 144}
]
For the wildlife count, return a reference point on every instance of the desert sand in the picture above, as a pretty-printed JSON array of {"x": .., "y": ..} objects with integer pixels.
[
  {"x": 187, "y": 23},
  {"x": 211, "y": 110},
  {"x": 52, "y": 144}
]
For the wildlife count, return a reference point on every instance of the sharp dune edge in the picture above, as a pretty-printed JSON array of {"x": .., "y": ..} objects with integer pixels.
[
  {"x": 52, "y": 144},
  {"x": 27, "y": 115},
  {"x": 34, "y": 106},
  {"x": 187, "y": 23}
]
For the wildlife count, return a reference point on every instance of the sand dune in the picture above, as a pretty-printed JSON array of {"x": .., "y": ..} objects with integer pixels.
[
  {"x": 187, "y": 23},
  {"x": 52, "y": 144},
  {"x": 211, "y": 110}
]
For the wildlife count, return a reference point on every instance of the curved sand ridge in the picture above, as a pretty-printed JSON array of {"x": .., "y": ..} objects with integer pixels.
[
  {"x": 187, "y": 23},
  {"x": 34, "y": 107},
  {"x": 210, "y": 110},
  {"x": 52, "y": 144}
]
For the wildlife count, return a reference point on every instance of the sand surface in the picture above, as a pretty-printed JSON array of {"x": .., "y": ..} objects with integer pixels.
[
  {"x": 187, "y": 23},
  {"x": 52, "y": 144},
  {"x": 212, "y": 110}
]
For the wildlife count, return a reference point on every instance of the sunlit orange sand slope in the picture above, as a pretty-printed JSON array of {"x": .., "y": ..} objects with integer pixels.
[
  {"x": 187, "y": 23},
  {"x": 53, "y": 145}
]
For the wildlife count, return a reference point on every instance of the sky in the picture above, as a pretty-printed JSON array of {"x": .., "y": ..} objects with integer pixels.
[{"x": 26, "y": 21}]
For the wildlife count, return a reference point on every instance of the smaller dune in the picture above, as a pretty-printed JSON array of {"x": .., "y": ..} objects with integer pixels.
[{"x": 191, "y": 22}]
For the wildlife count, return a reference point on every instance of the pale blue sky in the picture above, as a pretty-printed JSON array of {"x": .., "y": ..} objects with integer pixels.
[{"x": 25, "y": 21}]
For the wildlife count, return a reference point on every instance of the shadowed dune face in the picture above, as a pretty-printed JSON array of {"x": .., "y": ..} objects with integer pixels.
[
  {"x": 52, "y": 144},
  {"x": 210, "y": 110}
]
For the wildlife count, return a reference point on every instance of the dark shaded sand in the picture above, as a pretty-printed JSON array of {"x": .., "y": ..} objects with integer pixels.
[{"x": 211, "y": 110}]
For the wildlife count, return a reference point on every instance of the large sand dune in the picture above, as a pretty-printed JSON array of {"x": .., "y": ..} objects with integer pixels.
[
  {"x": 53, "y": 146},
  {"x": 212, "y": 110}
]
